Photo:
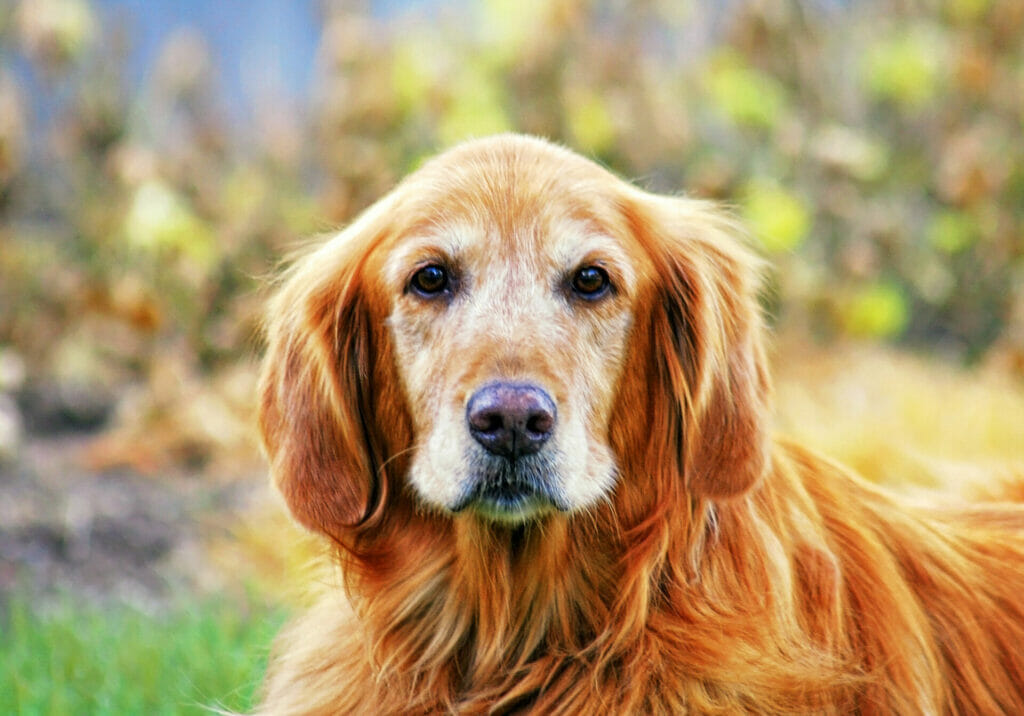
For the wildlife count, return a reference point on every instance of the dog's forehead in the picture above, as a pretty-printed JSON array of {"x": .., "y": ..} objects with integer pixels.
[
  {"x": 498, "y": 201},
  {"x": 511, "y": 183}
]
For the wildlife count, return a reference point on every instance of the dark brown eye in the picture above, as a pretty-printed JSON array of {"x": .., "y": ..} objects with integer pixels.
[
  {"x": 430, "y": 280},
  {"x": 590, "y": 282}
]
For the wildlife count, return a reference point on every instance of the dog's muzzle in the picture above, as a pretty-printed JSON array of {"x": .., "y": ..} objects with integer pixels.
[{"x": 512, "y": 479}]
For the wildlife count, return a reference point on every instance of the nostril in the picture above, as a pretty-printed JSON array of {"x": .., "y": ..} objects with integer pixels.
[
  {"x": 540, "y": 423},
  {"x": 486, "y": 422}
]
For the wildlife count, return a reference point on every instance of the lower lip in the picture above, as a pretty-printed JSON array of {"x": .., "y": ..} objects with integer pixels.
[
  {"x": 510, "y": 504},
  {"x": 511, "y": 509}
]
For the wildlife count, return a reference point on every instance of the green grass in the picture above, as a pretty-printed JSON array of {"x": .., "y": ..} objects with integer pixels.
[{"x": 91, "y": 660}]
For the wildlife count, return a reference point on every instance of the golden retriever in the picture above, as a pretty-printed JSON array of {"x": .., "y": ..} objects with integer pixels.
[{"x": 527, "y": 403}]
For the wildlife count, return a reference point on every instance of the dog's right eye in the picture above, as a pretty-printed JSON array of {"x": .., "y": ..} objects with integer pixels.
[{"x": 430, "y": 281}]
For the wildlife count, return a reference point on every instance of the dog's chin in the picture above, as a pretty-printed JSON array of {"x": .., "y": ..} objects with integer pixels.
[
  {"x": 510, "y": 505},
  {"x": 511, "y": 492}
]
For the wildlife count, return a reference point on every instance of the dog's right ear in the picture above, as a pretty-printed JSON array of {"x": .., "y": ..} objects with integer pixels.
[{"x": 319, "y": 410}]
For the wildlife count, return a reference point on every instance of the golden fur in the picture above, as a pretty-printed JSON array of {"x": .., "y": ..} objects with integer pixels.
[{"x": 690, "y": 564}]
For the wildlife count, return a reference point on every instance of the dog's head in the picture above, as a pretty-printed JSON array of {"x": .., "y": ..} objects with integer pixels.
[{"x": 514, "y": 332}]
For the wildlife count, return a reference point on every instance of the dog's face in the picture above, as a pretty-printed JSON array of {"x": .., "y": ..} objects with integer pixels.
[
  {"x": 510, "y": 318},
  {"x": 503, "y": 333}
]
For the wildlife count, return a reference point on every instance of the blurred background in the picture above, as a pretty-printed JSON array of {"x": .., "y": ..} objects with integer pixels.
[{"x": 159, "y": 157}]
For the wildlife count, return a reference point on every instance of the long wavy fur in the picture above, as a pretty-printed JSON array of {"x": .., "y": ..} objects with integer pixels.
[{"x": 727, "y": 572}]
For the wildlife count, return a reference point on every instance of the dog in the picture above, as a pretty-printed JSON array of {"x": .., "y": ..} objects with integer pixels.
[{"x": 527, "y": 404}]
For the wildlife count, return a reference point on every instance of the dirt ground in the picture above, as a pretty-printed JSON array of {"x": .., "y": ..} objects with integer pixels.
[{"x": 112, "y": 535}]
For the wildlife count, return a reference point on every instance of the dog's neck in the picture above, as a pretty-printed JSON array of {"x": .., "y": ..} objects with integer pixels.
[
  {"x": 462, "y": 602},
  {"x": 559, "y": 610}
]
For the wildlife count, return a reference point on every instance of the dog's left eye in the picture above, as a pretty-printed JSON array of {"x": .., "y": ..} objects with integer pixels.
[
  {"x": 590, "y": 282},
  {"x": 430, "y": 281}
]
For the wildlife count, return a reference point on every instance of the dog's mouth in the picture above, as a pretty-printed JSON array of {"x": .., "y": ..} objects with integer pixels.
[{"x": 511, "y": 491}]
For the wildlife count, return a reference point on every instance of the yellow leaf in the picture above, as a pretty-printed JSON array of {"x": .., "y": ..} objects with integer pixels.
[
  {"x": 159, "y": 219},
  {"x": 506, "y": 26},
  {"x": 419, "y": 61},
  {"x": 590, "y": 123},
  {"x": 64, "y": 27},
  {"x": 246, "y": 190},
  {"x": 875, "y": 311},
  {"x": 779, "y": 219},
  {"x": 745, "y": 94},
  {"x": 968, "y": 10},
  {"x": 905, "y": 68},
  {"x": 475, "y": 108}
]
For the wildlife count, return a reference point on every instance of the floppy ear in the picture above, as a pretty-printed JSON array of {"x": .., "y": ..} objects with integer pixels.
[
  {"x": 324, "y": 386},
  {"x": 706, "y": 331}
]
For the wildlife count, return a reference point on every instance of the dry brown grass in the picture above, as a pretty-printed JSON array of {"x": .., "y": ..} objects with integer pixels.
[{"x": 903, "y": 420}]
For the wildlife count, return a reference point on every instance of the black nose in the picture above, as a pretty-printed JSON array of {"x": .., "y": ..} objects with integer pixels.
[{"x": 511, "y": 419}]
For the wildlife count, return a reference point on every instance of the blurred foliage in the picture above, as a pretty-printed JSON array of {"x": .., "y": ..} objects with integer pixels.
[{"x": 874, "y": 147}]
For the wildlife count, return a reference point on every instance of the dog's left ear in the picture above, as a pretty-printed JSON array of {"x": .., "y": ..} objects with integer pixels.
[{"x": 707, "y": 332}]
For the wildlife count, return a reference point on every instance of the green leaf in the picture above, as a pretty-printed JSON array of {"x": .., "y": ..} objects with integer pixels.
[{"x": 952, "y": 231}]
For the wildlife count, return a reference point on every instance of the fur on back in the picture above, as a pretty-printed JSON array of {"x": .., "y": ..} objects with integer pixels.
[{"x": 688, "y": 562}]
